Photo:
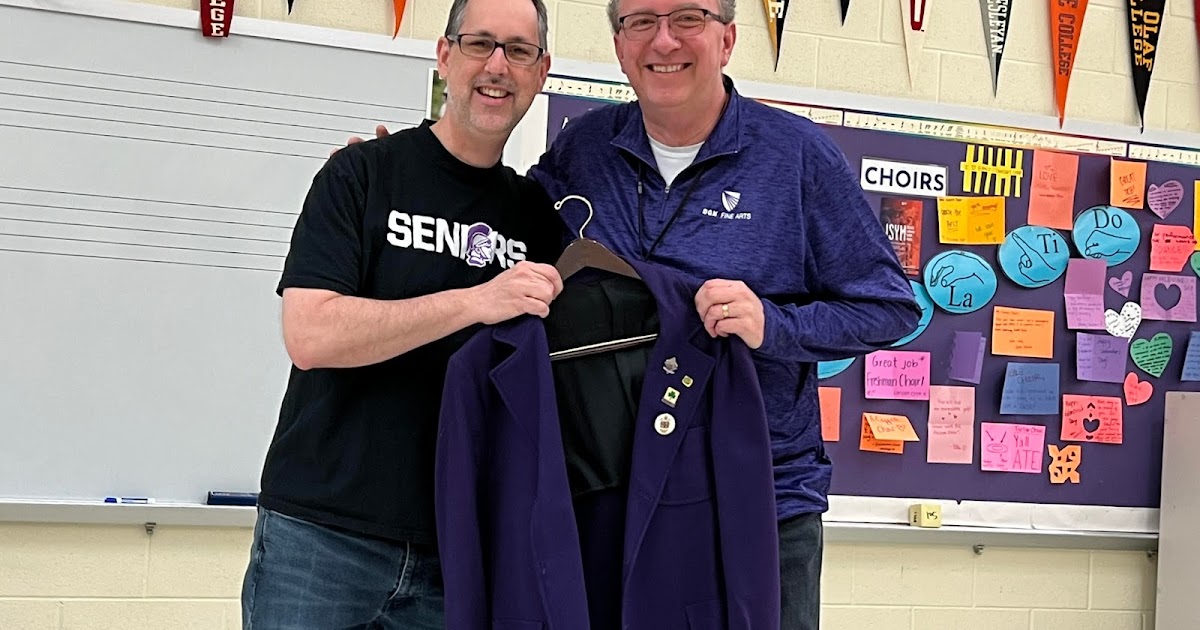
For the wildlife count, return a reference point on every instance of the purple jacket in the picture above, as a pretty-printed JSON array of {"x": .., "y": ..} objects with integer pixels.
[{"x": 700, "y": 541}]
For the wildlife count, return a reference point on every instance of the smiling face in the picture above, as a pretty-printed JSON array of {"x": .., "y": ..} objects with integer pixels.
[
  {"x": 668, "y": 70},
  {"x": 489, "y": 95}
]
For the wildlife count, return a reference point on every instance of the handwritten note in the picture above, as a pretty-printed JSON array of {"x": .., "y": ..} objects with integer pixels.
[
  {"x": 1191, "y": 359},
  {"x": 897, "y": 374},
  {"x": 1012, "y": 447},
  {"x": 1084, "y": 293},
  {"x": 1164, "y": 199},
  {"x": 1170, "y": 247},
  {"x": 1052, "y": 189},
  {"x": 966, "y": 356},
  {"x": 868, "y": 442},
  {"x": 1168, "y": 298},
  {"x": 1152, "y": 355},
  {"x": 1100, "y": 358},
  {"x": 951, "y": 425},
  {"x": 830, "y": 399},
  {"x": 891, "y": 427},
  {"x": 1030, "y": 389},
  {"x": 1128, "y": 184},
  {"x": 1196, "y": 213},
  {"x": 1022, "y": 332},
  {"x": 971, "y": 220},
  {"x": 1091, "y": 419}
]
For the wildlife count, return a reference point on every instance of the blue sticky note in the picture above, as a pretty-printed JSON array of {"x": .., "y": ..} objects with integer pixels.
[
  {"x": 1030, "y": 389},
  {"x": 959, "y": 281},
  {"x": 1033, "y": 256},
  {"x": 1191, "y": 360},
  {"x": 1107, "y": 233},
  {"x": 926, "y": 305},
  {"x": 830, "y": 369}
]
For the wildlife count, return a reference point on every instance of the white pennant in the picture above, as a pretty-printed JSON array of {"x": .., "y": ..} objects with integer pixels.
[{"x": 915, "y": 17}]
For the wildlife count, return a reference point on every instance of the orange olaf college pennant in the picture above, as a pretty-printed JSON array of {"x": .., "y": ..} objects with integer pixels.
[{"x": 776, "y": 11}]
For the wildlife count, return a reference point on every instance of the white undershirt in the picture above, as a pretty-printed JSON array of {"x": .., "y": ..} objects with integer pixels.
[{"x": 672, "y": 160}]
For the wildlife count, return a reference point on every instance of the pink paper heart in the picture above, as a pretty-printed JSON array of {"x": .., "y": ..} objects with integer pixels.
[
  {"x": 1121, "y": 285},
  {"x": 1164, "y": 199},
  {"x": 1137, "y": 392}
]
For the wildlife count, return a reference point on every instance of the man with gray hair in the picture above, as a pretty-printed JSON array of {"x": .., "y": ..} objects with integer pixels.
[{"x": 404, "y": 247}]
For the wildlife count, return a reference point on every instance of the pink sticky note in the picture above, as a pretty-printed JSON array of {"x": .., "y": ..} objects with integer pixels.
[
  {"x": 897, "y": 374},
  {"x": 1168, "y": 298},
  {"x": 1012, "y": 447},
  {"x": 1170, "y": 247},
  {"x": 951, "y": 425},
  {"x": 1092, "y": 419},
  {"x": 1084, "y": 293}
]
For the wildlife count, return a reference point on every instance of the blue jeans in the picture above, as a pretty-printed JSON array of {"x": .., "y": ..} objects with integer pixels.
[{"x": 307, "y": 576}]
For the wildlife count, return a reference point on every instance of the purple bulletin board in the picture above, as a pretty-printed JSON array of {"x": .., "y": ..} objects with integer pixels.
[{"x": 1124, "y": 475}]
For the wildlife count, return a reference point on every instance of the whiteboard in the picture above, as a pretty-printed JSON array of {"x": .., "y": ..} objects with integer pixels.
[{"x": 146, "y": 202}]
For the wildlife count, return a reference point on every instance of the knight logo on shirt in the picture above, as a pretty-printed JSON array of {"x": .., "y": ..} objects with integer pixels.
[{"x": 476, "y": 244}]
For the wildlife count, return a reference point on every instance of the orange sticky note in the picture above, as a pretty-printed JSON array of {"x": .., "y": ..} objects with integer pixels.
[
  {"x": 1022, "y": 332},
  {"x": 1128, "y": 184},
  {"x": 971, "y": 220},
  {"x": 1092, "y": 419},
  {"x": 891, "y": 427},
  {"x": 868, "y": 441},
  {"x": 831, "y": 413},
  {"x": 1052, "y": 189}
]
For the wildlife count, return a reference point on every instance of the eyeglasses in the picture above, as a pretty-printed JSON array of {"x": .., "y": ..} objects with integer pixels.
[
  {"x": 684, "y": 23},
  {"x": 480, "y": 47}
]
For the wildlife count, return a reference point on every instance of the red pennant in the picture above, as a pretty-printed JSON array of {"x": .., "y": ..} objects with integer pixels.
[
  {"x": 216, "y": 16},
  {"x": 398, "y": 5}
]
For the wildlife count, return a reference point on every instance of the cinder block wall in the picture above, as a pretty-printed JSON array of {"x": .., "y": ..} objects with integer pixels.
[{"x": 118, "y": 578}]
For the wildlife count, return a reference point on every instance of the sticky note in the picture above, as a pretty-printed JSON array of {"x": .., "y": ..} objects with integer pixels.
[
  {"x": 1191, "y": 359},
  {"x": 1008, "y": 447},
  {"x": 1030, "y": 389},
  {"x": 1091, "y": 419},
  {"x": 1168, "y": 297},
  {"x": 891, "y": 427},
  {"x": 1170, "y": 247},
  {"x": 966, "y": 356},
  {"x": 1052, "y": 189},
  {"x": 1084, "y": 293},
  {"x": 1022, "y": 332},
  {"x": 830, "y": 399},
  {"x": 897, "y": 374},
  {"x": 971, "y": 220},
  {"x": 1100, "y": 358},
  {"x": 868, "y": 442},
  {"x": 1064, "y": 463},
  {"x": 951, "y": 425},
  {"x": 1128, "y": 184},
  {"x": 925, "y": 515}
]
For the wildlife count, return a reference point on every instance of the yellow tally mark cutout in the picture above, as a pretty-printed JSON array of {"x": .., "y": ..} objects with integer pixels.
[{"x": 993, "y": 171}]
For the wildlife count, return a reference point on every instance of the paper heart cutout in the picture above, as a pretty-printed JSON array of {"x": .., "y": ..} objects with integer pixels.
[
  {"x": 1195, "y": 260},
  {"x": 1167, "y": 295},
  {"x": 1164, "y": 199},
  {"x": 1152, "y": 355},
  {"x": 1121, "y": 285},
  {"x": 1137, "y": 392},
  {"x": 1125, "y": 323}
]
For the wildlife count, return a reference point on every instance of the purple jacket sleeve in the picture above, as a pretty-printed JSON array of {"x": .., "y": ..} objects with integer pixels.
[{"x": 862, "y": 300}]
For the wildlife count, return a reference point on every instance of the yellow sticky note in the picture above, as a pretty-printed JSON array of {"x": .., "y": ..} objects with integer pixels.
[
  {"x": 1127, "y": 184},
  {"x": 891, "y": 427},
  {"x": 971, "y": 220},
  {"x": 925, "y": 515},
  {"x": 1022, "y": 332}
]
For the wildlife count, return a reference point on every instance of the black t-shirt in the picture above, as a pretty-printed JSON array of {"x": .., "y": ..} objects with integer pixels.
[{"x": 393, "y": 218}]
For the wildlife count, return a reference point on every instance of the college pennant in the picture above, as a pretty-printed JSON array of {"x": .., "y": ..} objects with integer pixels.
[
  {"x": 216, "y": 16},
  {"x": 995, "y": 27},
  {"x": 776, "y": 11},
  {"x": 290, "y": 6},
  {"x": 1066, "y": 24},
  {"x": 846, "y": 9},
  {"x": 1145, "y": 23},
  {"x": 398, "y": 6},
  {"x": 914, "y": 14}
]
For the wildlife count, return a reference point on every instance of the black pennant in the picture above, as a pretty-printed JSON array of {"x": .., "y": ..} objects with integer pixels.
[
  {"x": 846, "y": 9},
  {"x": 1145, "y": 23},
  {"x": 290, "y": 6},
  {"x": 995, "y": 29}
]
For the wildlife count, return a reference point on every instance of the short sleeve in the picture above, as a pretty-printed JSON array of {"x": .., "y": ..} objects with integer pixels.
[{"x": 326, "y": 243}]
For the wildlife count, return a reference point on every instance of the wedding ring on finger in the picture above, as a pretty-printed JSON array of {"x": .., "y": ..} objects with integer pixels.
[{"x": 724, "y": 311}]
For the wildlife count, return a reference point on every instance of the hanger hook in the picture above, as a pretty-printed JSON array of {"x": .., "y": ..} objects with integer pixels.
[{"x": 558, "y": 206}]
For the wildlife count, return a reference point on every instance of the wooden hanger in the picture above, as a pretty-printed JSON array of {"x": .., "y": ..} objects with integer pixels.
[{"x": 585, "y": 252}]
